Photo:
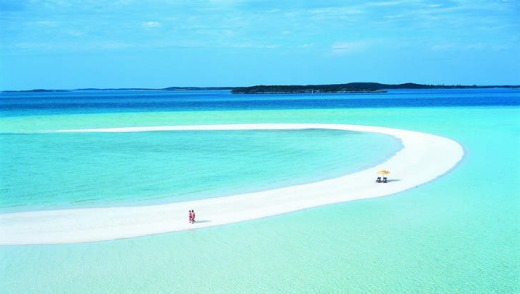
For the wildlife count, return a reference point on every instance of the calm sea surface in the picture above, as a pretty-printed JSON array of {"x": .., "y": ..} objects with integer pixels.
[
  {"x": 458, "y": 234},
  {"x": 117, "y": 101}
]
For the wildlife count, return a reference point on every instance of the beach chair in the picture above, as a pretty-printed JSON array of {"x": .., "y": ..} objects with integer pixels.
[
  {"x": 385, "y": 180},
  {"x": 378, "y": 180}
]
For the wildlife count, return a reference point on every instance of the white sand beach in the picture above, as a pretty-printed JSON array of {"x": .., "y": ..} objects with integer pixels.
[{"x": 424, "y": 158}]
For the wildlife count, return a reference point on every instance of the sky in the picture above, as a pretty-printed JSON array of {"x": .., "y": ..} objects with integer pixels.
[{"x": 60, "y": 44}]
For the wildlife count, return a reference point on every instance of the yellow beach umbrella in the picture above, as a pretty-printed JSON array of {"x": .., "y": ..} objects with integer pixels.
[{"x": 383, "y": 172}]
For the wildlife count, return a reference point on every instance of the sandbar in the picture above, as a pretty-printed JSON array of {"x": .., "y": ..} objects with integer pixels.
[{"x": 424, "y": 158}]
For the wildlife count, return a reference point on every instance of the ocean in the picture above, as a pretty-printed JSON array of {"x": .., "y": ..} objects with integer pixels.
[{"x": 459, "y": 233}]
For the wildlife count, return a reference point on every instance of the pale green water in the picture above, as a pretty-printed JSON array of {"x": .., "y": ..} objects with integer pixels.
[{"x": 458, "y": 234}]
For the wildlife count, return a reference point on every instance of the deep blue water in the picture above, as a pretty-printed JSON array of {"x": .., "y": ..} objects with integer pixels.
[{"x": 109, "y": 101}]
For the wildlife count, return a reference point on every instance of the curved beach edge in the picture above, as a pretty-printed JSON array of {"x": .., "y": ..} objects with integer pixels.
[{"x": 424, "y": 158}]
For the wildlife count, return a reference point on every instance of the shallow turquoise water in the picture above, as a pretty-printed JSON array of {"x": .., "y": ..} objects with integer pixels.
[
  {"x": 458, "y": 234},
  {"x": 70, "y": 170}
]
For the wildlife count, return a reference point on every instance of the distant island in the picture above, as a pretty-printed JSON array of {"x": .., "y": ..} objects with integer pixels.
[
  {"x": 290, "y": 89},
  {"x": 346, "y": 88},
  {"x": 127, "y": 89},
  {"x": 37, "y": 91}
]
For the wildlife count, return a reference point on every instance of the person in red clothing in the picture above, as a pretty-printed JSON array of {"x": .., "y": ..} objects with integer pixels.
[{"x": 193, "y": 216}]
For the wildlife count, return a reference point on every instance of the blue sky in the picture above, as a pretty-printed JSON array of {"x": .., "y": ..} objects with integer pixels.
[{"x": 62, "y": 44}]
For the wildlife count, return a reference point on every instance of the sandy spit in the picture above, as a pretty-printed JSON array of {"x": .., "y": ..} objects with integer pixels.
[{"x": 424, "y": 158}]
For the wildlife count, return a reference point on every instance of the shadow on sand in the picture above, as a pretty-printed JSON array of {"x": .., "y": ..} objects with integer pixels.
[
  {"x": 202, "y": 221},
  {"x": 388, "y": 181}
]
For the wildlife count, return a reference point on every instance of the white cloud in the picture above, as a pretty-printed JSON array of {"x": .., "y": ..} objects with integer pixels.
[
  {"x": 46, "y": 23},
  {"x": 307, "y": 45},
  {"x": 387, "y": 3},
  {"x": 152, "y": 24},
  {"x": 34, "y": 46},
  {"x": 335, "y": 11},
  {"x": 246, "y": 45},
  {"x": 479, "y": 46},
  {"x": 342, "y": 48}
]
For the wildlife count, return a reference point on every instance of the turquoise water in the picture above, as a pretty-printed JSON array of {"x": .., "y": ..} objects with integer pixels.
[
  {"x": 73, "y": 170},
  {"x": 458, "y": 234}
]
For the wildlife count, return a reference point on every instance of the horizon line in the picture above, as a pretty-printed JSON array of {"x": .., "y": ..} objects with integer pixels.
[{"x": 180, "y": 88}]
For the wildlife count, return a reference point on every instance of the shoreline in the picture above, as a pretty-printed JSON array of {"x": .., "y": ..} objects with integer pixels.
[{"x": 423, "y": 158}]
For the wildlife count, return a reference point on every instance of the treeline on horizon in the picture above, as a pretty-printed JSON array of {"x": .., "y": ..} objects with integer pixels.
[
  {"x": 346, "y": 88},
  {"x": 291, "y": 89}
]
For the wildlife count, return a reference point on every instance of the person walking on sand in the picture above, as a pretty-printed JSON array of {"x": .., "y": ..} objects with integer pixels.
[{"x": 193, "y": 216}]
